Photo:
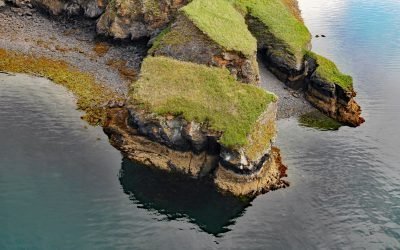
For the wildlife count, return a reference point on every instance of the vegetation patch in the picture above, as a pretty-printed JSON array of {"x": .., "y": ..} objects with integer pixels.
[
  {"x": 318, "y": 121},
  {"x": 328, "y": 71},
  {"x": 280, "y": 21},
  {"x": 210, "y": 96},
  {"x": 223, "y": 24},
  {"x": 91, "y": 96}
]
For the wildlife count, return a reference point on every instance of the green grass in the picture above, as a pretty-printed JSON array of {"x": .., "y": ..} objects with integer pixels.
[
  {"x": 199, "y": 93},
  {"x": 223, "y": 24},
  {"x": 328, "y": 71},
  {"x": 280, "y": 21}
]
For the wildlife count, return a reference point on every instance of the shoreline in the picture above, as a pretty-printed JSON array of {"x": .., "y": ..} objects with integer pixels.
[{"x": 74, "y": 41}]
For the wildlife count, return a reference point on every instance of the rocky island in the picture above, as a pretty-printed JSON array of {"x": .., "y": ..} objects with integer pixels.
[{"x": 176, "y": 83}]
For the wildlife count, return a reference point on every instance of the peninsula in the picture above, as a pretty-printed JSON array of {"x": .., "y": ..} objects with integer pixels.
[{"x": 176, "y": 83}]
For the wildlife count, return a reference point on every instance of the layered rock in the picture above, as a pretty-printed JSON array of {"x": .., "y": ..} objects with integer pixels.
[
  {"x": 181, "y": 123},
  {"x": 89, "y": 8},
  {"x": 285, "y": 43},
  {"x": 192, "y": 37},
  {"x": 331, "y": 91},
  {"x": 135, "y": 19},
  {"x": 282, "y": 39}
]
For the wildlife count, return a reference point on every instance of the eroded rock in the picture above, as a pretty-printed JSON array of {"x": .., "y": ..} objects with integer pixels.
[
  {"x": 135, "y": 19},
  {"x": 184, "y": 41},
  {"x": 89, "y": 8}
]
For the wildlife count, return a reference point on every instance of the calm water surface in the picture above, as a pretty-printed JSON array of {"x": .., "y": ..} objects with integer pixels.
[{"x": 62, "y": 186}]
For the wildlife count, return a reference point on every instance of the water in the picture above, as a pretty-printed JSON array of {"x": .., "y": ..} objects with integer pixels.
[{"x": 63, "y": 188}]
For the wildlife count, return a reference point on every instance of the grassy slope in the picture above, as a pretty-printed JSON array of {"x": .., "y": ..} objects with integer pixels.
[
  {"x": 200, "y": 93},
  {"x": 90, "y": 95},
  {"x": 223, "y": 24},
  {"x": 281, "y": 22},
  {"x": 328, "y": 71}
]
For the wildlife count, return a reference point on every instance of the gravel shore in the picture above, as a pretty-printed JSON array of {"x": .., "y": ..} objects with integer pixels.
[
  {"x": 291, "y": 102},
  {"x": 113, "y": 63}
]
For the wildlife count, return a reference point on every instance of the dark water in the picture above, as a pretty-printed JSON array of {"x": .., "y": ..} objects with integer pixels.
[{"x": 63, "y": 188}]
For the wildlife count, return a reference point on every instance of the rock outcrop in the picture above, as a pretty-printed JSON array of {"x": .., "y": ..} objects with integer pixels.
[
  {"x": 199, "y": 121},
  {"x": 89, "y": 8},
  {"x": 183, "y": 40},
  {"x": 136, "y": 19},
  {"x": 331, "y": 91},
  {"x": 287, "y": 54},
  {"x": 178, "y": 146}
]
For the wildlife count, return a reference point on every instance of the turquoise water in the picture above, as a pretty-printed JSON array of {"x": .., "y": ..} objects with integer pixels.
[{"x": 62, "y": 186}]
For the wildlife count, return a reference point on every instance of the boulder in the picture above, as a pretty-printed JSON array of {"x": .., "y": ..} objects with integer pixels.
[
  {"x": 134, "y": 19},
  {"x": 89, "y": 8},
  {"x": 225, "y": 42}
]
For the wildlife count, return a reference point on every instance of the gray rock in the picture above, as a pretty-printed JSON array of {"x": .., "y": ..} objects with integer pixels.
[{"x": 2, "y": 3}]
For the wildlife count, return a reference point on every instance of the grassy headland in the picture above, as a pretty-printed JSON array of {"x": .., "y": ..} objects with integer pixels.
[{"x": 203, "y": 94}]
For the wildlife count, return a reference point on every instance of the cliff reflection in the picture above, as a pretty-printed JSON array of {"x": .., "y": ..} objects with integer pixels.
[{"x": 178, "y": 197}]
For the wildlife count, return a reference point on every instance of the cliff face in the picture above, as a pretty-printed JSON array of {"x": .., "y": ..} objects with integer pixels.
[
  {"x": 197, "y": 120},
  {"x": 284, "y": 41}
]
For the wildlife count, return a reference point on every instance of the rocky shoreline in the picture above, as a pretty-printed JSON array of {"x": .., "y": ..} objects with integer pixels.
[{"x": 164, "y": 127}]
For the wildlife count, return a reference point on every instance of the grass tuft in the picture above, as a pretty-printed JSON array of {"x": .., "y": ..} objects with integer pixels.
[
  {"x": 223, "y": 24},
  {"x": 91, "y": 96},
  {"x": 328, "y": 71},
  {"x": 204, "y": 94}
]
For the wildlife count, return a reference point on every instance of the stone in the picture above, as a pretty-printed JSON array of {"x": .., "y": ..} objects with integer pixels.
[
  {"x": 134, "y": 19},
  {"x": 89, "y": 8}
]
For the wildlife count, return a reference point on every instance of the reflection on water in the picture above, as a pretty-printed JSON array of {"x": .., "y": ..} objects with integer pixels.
[
  {"x": 318, "y": 120},
  {"x": 179, "y": 197}
]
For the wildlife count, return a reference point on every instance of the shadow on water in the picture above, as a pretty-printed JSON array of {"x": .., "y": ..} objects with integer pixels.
[{"x": 177, "y": 197}]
